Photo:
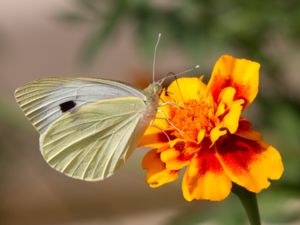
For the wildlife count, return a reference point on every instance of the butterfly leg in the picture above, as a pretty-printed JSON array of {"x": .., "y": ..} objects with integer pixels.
[
  {"x": 169, "y": 121},
  {"x": 170, "y": 103},
  {"x": 158, "y": 127}
]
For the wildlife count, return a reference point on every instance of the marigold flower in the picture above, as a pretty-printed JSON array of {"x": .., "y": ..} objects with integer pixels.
[{"x": 200, "y": 128}]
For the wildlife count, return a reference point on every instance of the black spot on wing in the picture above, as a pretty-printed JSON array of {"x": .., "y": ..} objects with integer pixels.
[{"x": 67, "y": 106}]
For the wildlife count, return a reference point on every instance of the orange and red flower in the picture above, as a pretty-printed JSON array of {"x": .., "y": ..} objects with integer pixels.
[{"x": 199, "y": 127}]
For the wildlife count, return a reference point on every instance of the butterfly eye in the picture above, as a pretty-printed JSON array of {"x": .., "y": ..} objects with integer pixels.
[{"x": 67, "y": 106}]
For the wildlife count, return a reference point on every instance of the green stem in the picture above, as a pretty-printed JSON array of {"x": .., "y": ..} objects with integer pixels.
[{"x": 249, "y": 202}]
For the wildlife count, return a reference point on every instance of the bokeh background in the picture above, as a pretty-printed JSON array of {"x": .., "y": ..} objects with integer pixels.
[{"x": 115, "y": 39}]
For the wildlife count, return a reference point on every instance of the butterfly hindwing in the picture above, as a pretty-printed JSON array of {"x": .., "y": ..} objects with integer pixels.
[
  {"x": 90, "y": 143},
  {"x": 44, "y": 101}
]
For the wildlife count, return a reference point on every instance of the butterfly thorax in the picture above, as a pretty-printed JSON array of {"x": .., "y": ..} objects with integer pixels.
[{"x": 152, "y": 93}]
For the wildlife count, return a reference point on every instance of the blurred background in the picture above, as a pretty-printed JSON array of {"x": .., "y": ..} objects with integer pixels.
[{"x": 115, "y": 39}]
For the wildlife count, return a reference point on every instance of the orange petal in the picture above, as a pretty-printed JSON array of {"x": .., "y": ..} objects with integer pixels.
[
  {"x": 241, "y": 74},
  {"x": 245, "y": 131},
  {"x": 171, "y": 159},
  {"x": 176, "y": 141},
  {"x": 229, "y": 112},
  {"x": 185, "y": 186},
  {"x": 205, "y": 179},
  {"x": 164, "y": 111},
  {"x": 225, "y": 100},
  {"x": 186, "y": 88},
  {"x": 157, "y": 174},
  {"x": 231, "y": 119},
  {"x": 229, "y": 109},
  {"x": 216, "y": 133},
  {"x": 153, "y": 137},
  {"x": 249, "y": 163},
  {"x": 201, "y": 135},
  {"x": 169, "y": 155}
]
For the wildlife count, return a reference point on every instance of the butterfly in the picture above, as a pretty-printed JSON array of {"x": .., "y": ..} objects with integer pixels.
[{"x": 88, "y": 126}]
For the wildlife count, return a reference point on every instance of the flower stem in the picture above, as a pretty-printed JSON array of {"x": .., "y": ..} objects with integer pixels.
[{"x": 249, "y": 202}]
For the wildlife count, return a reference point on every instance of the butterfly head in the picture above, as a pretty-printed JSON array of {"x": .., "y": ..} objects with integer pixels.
[{"x": 153, "y": 91}]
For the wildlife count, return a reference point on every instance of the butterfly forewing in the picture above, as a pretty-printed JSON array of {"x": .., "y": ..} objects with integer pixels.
[
  {"x": 44, "y": 101},
  {"x": 90, "y": 143}
]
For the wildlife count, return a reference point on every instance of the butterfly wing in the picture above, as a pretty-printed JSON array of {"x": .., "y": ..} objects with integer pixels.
[
  {"x": 44, "y": 101},
  {"x": 90, "y": 143}
]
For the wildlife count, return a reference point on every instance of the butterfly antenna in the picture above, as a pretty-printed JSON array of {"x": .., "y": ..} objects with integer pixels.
[
  {"x": 171, "y": 74},
  {"x": 154, "y": 57},
  {"x": 187, "y": 70}
]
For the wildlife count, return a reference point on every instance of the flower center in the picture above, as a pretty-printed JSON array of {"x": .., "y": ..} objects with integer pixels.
[{"x": 191, "y": 118}]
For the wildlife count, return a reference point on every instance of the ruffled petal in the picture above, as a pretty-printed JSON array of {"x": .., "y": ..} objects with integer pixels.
[
  {"x": 229, "y": 110},
  {"x": 216, "y": 133},
  {"x": 241, "y": 74},
  {"x": 231, "y": 119},
  {"x": 157, "y": 174},
  {"x": 249, "y": 163},
  {"x": 186, "y": 88},
  {"x": 225, "y": 100},
  {"x": 228, "y": 113},
  {"x": 205, "y": 179}
]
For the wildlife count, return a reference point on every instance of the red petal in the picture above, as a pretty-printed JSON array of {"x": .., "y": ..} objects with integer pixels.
[
  {"x": 241, "y": 74},
  {"x": 206, "y": 179},
  {"x": 249, "y": 163}
]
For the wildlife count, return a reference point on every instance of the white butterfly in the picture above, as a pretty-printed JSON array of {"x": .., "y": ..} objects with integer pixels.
[{"x": 88, "y": 127}]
